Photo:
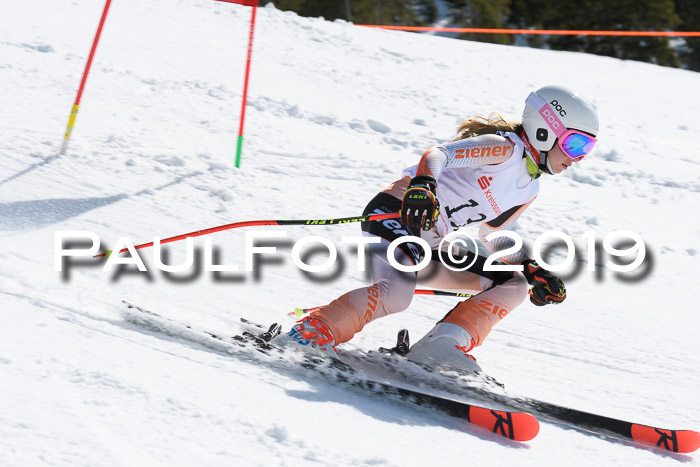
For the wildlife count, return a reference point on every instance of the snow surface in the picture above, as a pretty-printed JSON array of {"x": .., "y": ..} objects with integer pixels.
[{"x": 335, "y": 113}]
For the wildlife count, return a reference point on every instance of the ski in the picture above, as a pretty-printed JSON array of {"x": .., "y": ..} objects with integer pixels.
[
  {"x": 678, "y": 441},
  {"x": 514, "y": 420},
  {"x": 513, "y": 425},
  {"x": 671, "y": 440}
]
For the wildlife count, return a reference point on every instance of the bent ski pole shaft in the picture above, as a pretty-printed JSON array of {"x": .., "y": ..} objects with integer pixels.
[
  {"x": 300, "y": 311},
  {"x": 236, "y": 225}
]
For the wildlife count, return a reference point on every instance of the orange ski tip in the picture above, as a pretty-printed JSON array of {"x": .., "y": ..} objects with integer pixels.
[
  {"x": 684, "y": 441},
  {"x": 526, "y": 426},
  {"x": 517, "y": 426}
]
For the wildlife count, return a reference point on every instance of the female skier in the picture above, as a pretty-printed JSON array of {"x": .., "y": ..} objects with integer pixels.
[{"x": 487, "y": 174}]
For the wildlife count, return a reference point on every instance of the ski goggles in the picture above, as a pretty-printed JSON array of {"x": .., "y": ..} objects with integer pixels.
[{"x": 573, "y": 143}]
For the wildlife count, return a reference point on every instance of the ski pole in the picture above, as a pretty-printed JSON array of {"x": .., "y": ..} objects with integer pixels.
[
  {"x": 300, "y": 311},
  {"x": 236, "y": 225}
]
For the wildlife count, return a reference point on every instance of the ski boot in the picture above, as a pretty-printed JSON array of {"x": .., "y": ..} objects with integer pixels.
[
  {"x": 446, "y": 345},
  {"x": 314, "y": 333}
]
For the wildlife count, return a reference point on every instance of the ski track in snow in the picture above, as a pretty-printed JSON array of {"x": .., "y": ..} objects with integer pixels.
[{"x": 334, "y": 114}]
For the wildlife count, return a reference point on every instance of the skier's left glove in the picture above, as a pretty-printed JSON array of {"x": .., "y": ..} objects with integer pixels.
[{"x": 546, "y": 287}]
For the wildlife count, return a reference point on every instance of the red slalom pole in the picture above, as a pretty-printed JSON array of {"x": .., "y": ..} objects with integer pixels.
[
  {"x": 254, "y": 4},
  {"x": 239, "y": 146},
  {"x": 74, "y": 111},
  {"x": 236, "y": 225}
]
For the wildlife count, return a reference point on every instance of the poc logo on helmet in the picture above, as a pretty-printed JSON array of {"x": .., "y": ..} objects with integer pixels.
[
  {"x": 551, "y": 119},
  {"x": 558, "y": 107}
]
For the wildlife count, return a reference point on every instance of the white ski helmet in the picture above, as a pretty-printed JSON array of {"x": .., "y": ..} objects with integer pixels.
[{"x": 572, "y": 110}]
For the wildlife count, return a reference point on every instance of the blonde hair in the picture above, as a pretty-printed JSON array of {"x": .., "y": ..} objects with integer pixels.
[{"x": 477, "y": 126}]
